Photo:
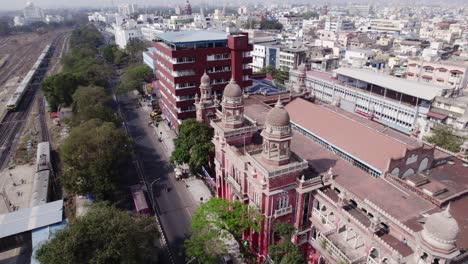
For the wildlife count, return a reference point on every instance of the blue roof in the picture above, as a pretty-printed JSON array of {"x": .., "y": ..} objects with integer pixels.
[
  {"x": 261, "y": 87},
  {"x": 192, "y": 36}
]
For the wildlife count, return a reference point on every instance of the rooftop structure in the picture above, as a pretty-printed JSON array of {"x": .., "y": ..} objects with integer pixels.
[{"x": 191, "y": 37}]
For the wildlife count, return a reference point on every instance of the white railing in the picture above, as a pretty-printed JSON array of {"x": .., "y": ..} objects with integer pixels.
[
  {"x": 334, "y": 250},
  {"x": 283, "y": 211}
]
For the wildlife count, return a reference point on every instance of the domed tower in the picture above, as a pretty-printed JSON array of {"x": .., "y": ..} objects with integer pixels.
[
  {"x": 188, "y": 8},
  {"x": 299, "y": 85},
  {"x": 277, "y": 136},
  {"x": 233, "y": 105},
  {"x": 439, "y": 235},
  {"x": 205, "y": 106}
]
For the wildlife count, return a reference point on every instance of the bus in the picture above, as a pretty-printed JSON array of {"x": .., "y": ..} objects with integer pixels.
[{"x": 139, "y": 199}]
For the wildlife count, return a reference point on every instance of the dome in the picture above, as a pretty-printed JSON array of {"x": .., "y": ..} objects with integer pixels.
[
  {"x": 232, "y": 89},
  {"x": 441, "y": 227},
  {"x": 205, "y": 79},
  {"x": 278, "y": 116}
]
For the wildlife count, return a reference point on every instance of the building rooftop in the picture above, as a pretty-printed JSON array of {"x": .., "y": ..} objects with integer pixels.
[
  {"x": 191, "y": 36},
  {"x": 412, "y": 88},
  {"x": 353, "y": 138},
  {"x": 31, "y": 218}
]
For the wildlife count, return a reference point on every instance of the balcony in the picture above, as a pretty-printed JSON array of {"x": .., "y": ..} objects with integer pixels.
[
  {"x": 338, "y": 250},
  {"x": 283, "y": 211}
]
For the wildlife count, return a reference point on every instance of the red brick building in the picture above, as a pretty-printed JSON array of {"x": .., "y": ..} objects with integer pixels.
[
  {"x": 354, "y": 190},
  {"x": 182, "y": 57}
]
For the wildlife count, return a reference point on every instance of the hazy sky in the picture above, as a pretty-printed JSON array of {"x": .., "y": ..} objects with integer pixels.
[{"x": 19, "y": 4}]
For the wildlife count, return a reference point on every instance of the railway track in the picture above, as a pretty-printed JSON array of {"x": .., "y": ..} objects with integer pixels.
[
  {"x": 12, "y": 124},
  {"x": 18, "y": 61}
]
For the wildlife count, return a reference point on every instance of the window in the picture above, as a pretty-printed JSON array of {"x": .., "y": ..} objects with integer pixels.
[{"x": 283, "y": 201}]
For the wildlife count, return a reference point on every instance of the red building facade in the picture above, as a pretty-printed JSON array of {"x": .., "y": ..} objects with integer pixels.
[{"x": 181, "y": 58}]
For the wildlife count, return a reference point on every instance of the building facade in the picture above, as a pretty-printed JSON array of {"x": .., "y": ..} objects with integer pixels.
[
  {"x": 298, "y": 169},
  {"x": 181, "y": 58},
  {"x": 395, "y": 102},
  {"x": 448, "y": 74}
]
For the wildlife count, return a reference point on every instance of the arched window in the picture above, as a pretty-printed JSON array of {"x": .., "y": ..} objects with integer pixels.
[
  {"x": 396, "y": 172},
  {"x": 423, "y": 164},
  {"x": 408, "y": 172}
]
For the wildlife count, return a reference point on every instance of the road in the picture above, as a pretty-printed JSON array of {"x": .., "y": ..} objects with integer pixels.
[{"x": 174, "y": 207}]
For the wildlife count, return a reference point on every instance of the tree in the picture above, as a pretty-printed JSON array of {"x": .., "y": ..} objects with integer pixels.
[
  {"x": 134, "y": 77},
  {"x": 443, "y": 137},
  {"x": 270, "y": 24},
  {"x": 104, "y": 235},
  {"x": 92, "y": 157},
  {"x": 217, "y": 220},
  {"x": 310, "y": 14},
  {"x": 285, "y": 252},
  {"x": 193, "y": 145},
  {"x": 59, "y": 88},
  {"x": 278, "y": 75},
  {"x": 134, "y": 49},
  {"x": 92, "y": 102},
  {"x": 112, "y": 54}
]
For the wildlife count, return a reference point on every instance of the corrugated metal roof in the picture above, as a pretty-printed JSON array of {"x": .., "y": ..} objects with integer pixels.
[
  {"x": 31, "y": 218},
  {"x": 178, "y": 37},
  {"x": 416, "y": 89}
]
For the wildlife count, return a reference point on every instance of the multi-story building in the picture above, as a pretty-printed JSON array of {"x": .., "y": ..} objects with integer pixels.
[
  {"x": 358, "y": 57},
  {"x": 182, "y": 57},
  {"x": 392, "y": 26},
  {"x": 369, "y": 199},
  {"x": 291, "y": 21},
  {"x": 290, "y": 58},
  {"x": 265, "y": 54},
  {"x": 126, "y": 33},
  {"x": 450, "y": 74},
  {"x": 338, "y": 25},
  {"x": 450, "y": 111},
  {"x": 32, "y": 13},
  {"x": 395, "y": 102},
  {"x": 127, "y": 9}
]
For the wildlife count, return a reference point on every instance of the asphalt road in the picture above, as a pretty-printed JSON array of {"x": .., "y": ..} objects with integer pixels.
[{"x": 175, "y": 206}]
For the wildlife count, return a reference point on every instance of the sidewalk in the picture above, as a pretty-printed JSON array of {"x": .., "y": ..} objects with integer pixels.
[{"x": 196, "y": 186}]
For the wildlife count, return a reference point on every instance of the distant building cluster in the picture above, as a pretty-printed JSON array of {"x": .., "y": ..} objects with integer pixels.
[{"x": 32, "y": 14}]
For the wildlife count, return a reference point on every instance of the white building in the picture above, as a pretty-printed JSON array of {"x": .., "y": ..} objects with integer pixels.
[
  {"x": 338, "y": 25},
  {"x": 149, "y": 32},
  {"x": 395, "y": 102},
  {"x": 32, "y": 13},
  {"x": 291, "y": 21},
  {"x": 53, "y": 19},
  {"x": 19, "y": 21},
  {"x": 128, "y": 9},
  {"x": 358, "y": 57},
  {"x": 126, "y": 33}
]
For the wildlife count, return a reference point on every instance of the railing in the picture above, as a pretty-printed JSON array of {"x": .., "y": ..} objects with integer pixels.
[
  {"x": 283, "y": 211},
  {"x": 333, "y": 250},
  {"x": 234, "y": 183}
]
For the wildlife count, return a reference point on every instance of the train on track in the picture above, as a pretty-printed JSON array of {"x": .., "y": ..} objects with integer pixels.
[
  {"x": 42, "y": 176},
  {"x": 36, "y": 73}
]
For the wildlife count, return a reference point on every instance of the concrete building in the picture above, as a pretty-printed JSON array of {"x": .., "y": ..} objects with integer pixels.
[
  {"x": 181, "y": 58},
  {"x": 291, "y": 21},
  {"x": 32, "y": 13},
  {"x": 357, "y": 57},
  {"x": 359, "y": 10},
  {"x": 291, "y": 57},
  {"x": 338, "y": 25},
  {"x": 126, "y": 33},
  {"x": 391, "y": 26},
  {"x": 450, "y": 111},
  {"x": 366, "y": 200},
  {"x": 449, "y": 74},
  {"x": 127, "y": 9},
  {"x": 398, "y": 103}
]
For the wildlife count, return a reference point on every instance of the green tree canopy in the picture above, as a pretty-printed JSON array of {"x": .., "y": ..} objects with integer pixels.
[
  {"x": 278, "y": 75},
  {"x": 310, "y": 14},
  {"x": 104, "y": 235},
  {"x": 270, "y": 24},
  {"x": 215, "y": 220},
  {"x": 112, "y": 54},
  {"x": 193, "y": 145},
  {"x": 59, "y": 88},
  {"x": 285, "y": 252},
  {"x": 134, "y": 49},
  {"x": 92, "y": 156},
  {"x": 443, "y": 137},
  {"x": 92, "y": 102},
  {"x": 134, "y": 77}
]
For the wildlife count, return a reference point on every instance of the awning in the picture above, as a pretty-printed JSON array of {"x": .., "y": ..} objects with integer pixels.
[
  {"x": 412, "y": 64},
  {"x": 441, "y": 69},
  {"x": 428, "y": 67},
  {"x": 427, "y": 77},
  {"x": 410, "y": 74},
  {"x": 440, "y": 79},
  {"x": 456, "y": 71},
  {"x": 436, "y": 115}
]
